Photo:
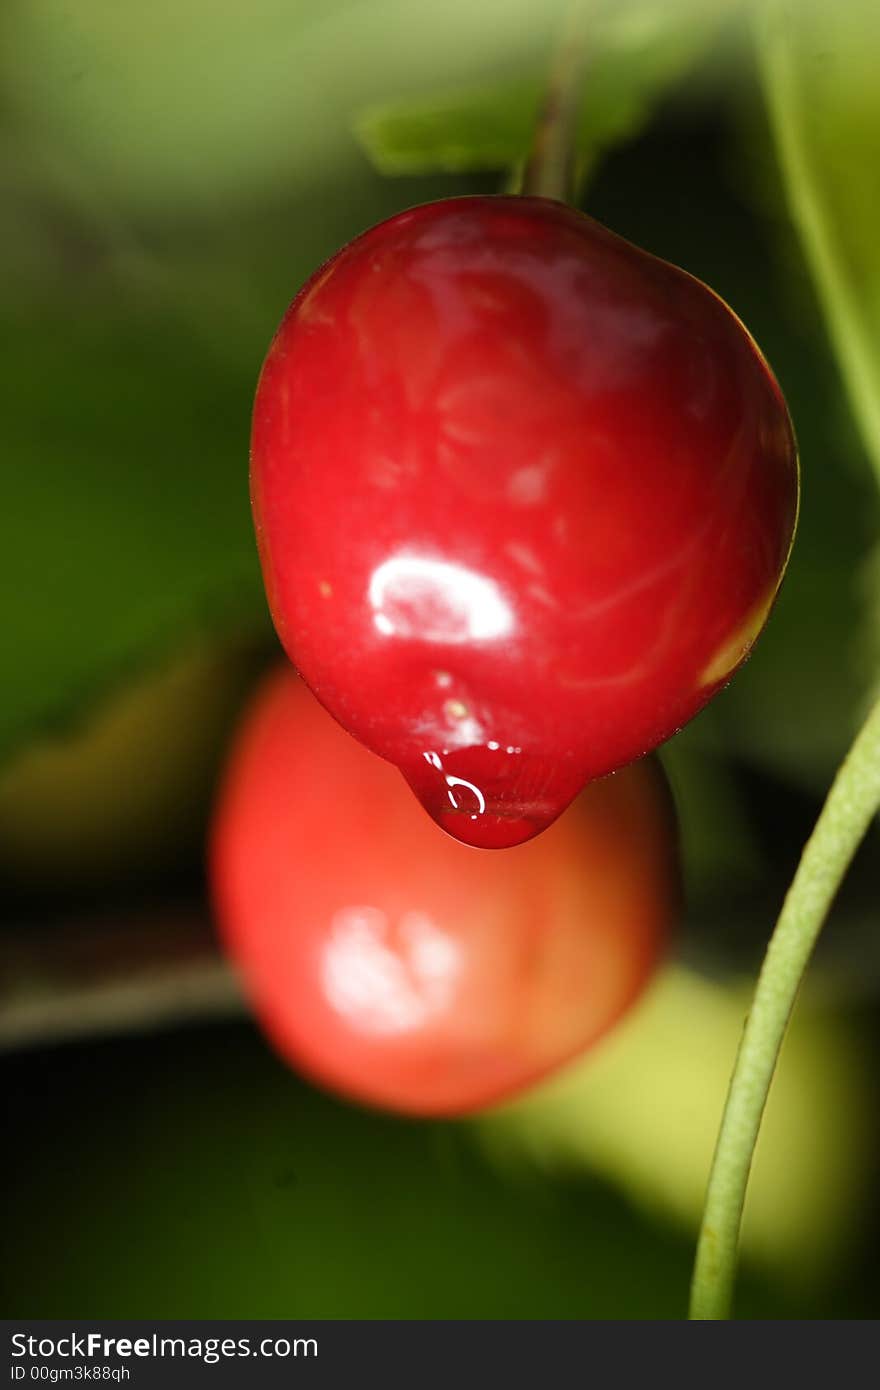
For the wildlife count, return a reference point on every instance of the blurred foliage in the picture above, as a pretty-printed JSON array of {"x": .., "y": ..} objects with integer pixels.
[
  {"x": 167, "y": 107},
  {"x": 125, "y": 526},
  {"x": 819, "y": 69},
  {"x": 644, "y": 1112},
  {"x": 190, "y": 1176},
  {"x": 635, "y": 52},
  {"x": 820, "y": 72},
  {"x": 124, "y": 794}
]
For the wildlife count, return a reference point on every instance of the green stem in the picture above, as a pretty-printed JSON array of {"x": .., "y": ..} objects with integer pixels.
[
  {"x": 843, "y": 299},
  {"x": 851, "y": 804},
  {"x": 551, "y": 167}
]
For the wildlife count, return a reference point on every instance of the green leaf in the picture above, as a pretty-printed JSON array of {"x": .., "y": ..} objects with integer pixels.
[
  {"x": 819, "y": 64},
  {"x": 638, "y": 52},
  {"x": 481, "y": 128},
  {"x": 229, "y": 1189},
  {"x": 173, "y": 107},
  {"x": 125, "y": 522}
]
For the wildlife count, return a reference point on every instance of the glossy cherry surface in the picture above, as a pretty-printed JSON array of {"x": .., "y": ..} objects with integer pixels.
[
  {"x": 402, "y": 968},
  {"x": 524, "y": 495}
]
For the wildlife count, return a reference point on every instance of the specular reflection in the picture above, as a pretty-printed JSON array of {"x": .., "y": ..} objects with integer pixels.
[
  {"x": 388, "y": 978},
  {"x": 436, "y": 601}
]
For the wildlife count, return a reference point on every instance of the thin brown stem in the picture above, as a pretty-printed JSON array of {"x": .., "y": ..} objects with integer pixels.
[
  {"x": 551, "y": 168},
  {"x": 111, "y": 975}
]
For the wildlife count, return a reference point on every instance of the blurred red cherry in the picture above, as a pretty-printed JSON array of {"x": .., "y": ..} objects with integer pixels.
[
  {"x": 524, "y": 496},
  {"x": 403, "y": 969}
]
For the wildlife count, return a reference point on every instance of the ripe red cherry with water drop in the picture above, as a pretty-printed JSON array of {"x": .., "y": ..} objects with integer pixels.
[
  {"x": 524, "y": 497},
  {"x": 401, "y": 968}
]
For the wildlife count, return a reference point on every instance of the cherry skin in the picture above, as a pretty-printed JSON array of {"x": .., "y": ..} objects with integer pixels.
[
  {"x": 524, "y": 495},
  {"x": 403, "y": 969}
]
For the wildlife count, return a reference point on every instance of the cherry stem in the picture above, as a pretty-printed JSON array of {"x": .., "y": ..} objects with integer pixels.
[
  {"x": 851, "y": 804},
  {"x": 108, "y": 975},
  {"x": 551, "y": 167}
]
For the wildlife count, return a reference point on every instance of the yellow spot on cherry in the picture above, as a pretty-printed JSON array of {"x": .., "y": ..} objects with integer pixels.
[{"x": 736, "y": 648}]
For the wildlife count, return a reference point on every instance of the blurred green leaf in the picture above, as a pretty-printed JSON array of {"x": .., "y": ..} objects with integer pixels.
[
  {"x": 644, "y": 1109},
  {"x": 190, "y": 1175},
  {"x": 125, "y": 521},
  {"x": 819, "y": 66},
  {"x": 637, "y": 51},
  {"x": 175, "y": 107},
  {"x": 483, "y": 128}
]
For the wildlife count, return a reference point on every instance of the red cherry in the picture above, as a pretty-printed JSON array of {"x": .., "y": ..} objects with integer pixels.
[
  {"x": 524, "y": 496},
  {"x": 406, "y": 970}
]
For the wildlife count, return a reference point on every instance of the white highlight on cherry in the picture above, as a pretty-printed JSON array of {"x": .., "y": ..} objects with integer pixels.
[
  {"x": 456, "y": 805},
  {"x": 435, "y": 761},
  {"x": 435, "y": 601},
  {"x": 388, "y": 978}
]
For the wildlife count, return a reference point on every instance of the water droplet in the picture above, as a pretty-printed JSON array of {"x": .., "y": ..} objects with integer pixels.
[{"x": 489, "y": 795}]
